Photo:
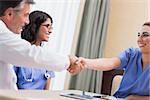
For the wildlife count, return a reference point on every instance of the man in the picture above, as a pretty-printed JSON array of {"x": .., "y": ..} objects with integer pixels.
[{"x": 16, "y": 51}]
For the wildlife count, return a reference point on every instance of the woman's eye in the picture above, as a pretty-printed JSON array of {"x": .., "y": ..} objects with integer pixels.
[{"x": 145, "y": 34}]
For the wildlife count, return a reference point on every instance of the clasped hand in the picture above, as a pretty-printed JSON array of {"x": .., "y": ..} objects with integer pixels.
[{"x": 76, "y": 65}]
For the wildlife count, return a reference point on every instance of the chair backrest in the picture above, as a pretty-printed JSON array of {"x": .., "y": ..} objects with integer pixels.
[{"x": 116, "y": 83}]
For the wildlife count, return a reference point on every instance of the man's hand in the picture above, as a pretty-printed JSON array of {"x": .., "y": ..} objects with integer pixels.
[{"x": 75, "y": 65}]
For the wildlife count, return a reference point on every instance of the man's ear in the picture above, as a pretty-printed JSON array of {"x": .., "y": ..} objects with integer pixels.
[{"x": 9, "y": 13}]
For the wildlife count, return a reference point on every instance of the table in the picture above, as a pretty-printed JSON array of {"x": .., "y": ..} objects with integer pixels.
[{"x": 41, "y": 95}]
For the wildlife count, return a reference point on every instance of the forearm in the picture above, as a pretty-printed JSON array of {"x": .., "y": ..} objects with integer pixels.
[
  {"x": 137, "y": 97},
  {"x": 103, "y": 64},
  {"x": 21, "y": 53},
  {"x": 47, "y": 85}
]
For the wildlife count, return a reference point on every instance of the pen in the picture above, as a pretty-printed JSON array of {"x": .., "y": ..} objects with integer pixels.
[{"x": 83, "y": 92}]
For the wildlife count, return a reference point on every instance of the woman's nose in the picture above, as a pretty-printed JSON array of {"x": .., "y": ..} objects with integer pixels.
[
  {"x": 140, "y": 39},
  {"x": 27, "y": 20},
  {"x": 50, "y": 30}
]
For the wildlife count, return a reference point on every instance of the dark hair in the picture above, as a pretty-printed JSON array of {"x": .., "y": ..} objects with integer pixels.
[
  {"x": 146, "y": 23},
  {"x": 5, "y": 4},
  {"x": 30, "y": 31}
]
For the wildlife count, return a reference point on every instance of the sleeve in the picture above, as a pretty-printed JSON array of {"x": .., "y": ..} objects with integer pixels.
[
  {"x": 125, "y": 57},
  {"x": 19, "y": 52}
]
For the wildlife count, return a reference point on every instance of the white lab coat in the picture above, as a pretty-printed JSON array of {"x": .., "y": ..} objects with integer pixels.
[{"x": 16, "y": 51}]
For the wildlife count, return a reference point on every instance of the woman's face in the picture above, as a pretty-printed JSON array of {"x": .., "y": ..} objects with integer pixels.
[
  {"x": 144, "y": 39},
  {"x": 45, "y": 30}
]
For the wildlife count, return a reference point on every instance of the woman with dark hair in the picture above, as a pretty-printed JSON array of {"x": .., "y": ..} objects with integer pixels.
[
  {"x": 37, "y": 31},
  {"x": 135, "y": 62}
]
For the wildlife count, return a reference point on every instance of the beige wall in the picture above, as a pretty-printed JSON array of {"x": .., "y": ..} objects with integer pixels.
[
  {"x": 149, "y": 10},
  {"x": 125, "y": 18}
]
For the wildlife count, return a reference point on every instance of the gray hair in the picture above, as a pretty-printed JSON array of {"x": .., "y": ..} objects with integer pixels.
[
  {"x": 20, "y": 6},
  {"x": 16, "y": 4}
]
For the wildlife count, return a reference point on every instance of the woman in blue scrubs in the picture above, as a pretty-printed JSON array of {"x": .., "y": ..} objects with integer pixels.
[
  {"x": 37, "y": 31},
  {"x": 135, "y": 62}
]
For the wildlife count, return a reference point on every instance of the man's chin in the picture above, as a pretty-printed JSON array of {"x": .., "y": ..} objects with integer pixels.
[{"x": 19, "y": 31}]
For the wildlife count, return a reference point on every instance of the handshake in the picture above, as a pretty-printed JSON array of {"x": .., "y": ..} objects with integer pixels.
[{"x": 76, "y": 64}]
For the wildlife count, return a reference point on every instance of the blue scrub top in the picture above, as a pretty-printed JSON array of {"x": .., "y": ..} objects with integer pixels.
[
  {"x": 31, "y": 78},
  {"x": 135, "y": 81}
]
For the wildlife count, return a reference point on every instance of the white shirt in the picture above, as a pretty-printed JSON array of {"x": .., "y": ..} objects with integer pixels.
[{"x": 16, "y": 51}]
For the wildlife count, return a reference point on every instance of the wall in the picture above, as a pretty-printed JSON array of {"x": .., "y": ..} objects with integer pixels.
[{"x": 126, "y": 17}]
